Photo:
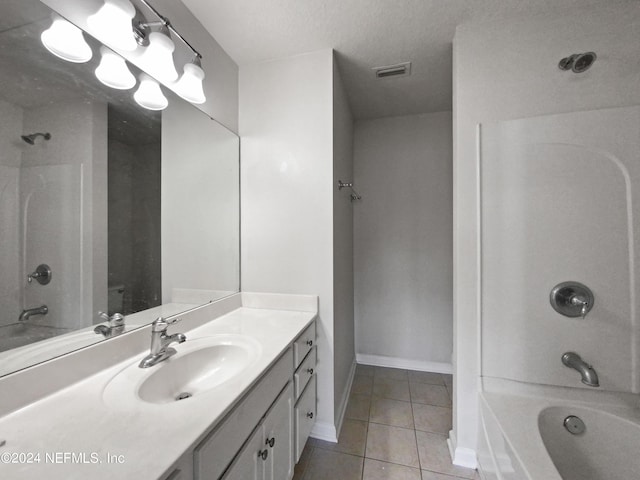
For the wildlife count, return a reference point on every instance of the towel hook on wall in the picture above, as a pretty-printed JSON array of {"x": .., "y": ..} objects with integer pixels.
[{"x": 354, "y": 195}]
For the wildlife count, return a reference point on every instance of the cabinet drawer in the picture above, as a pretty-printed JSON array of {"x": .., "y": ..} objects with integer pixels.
[
  {"x": 304, "y": 372},
  {"x": 212, "y": 455},
  {"x": 303, "y": 344},
  {"x": 305, "y": 413}
]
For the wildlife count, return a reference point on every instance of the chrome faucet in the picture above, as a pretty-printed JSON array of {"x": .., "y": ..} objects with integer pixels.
[
  {"x": 160, "y": 342},
  {"x": 115, "y": 325},
  {"x": 589, "y": 375},
  {"x": 30, "y": 312}
]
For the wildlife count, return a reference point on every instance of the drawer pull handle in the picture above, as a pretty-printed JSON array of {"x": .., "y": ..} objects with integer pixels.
[
  {"x": 310, "y": 371},
  {"x": 271, "y": 441},
  {"x": 263, "y": 454},
  {"x": 310, "y": 342},
  {"x": 310, "y": 414}
]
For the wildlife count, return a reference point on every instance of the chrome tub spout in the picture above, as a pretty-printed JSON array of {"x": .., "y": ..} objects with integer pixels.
[
  {"x": 588, "y": 373},
  {"x": 30, "y": 312}
]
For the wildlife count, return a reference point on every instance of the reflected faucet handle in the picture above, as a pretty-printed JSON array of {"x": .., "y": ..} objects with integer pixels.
[{"x": 115, "y": 320}]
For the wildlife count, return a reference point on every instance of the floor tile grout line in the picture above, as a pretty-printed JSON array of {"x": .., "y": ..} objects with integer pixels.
[
  {"x": 366, "y": 437},
  {"x": 415, "y": 436},
  {"x": 339, "y": 452},
  {"x": 397, "y": 464}
]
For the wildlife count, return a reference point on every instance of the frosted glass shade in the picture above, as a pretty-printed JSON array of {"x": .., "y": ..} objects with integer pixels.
[
  {"x": 113, "y": 71},
  {"x": 157, "y": 59},
  {"x": 149, "y": 95},
  {"x": 189, "y": 86},
  {"x": 112, "y": 24},
  {"x": 66, "y": 41}
]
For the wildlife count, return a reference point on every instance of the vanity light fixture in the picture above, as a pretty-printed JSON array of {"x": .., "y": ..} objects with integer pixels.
[
  {"x": 119, "y": 24},
  {"x": 157, "y": 58},
  {"x": 112, "y": 24},
  {"x": 66, "y": 41},
  {"x": 149, "y": 95},
  {"x": 189, "y": 86},
  {"x": 113, "y": 71}
]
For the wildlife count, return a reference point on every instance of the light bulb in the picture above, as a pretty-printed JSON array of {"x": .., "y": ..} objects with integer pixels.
[
  {"x": 112, "y": 24},
  {"x": 157, "y": 59},
  {"x": 149, "y": 94},
  {"x": 113, "y": 71},
  {"x": 189, "y": 86},
  {"x": 65, "y": 41}
]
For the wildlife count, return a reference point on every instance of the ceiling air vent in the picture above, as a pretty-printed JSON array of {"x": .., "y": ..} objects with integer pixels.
[{"x": 398, "y": 70}]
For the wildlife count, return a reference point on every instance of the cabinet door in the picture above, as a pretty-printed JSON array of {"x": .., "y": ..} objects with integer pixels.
[
  {"x": 249, "y": 463},
  {"x": 305, "y": 412},
  {"x": 278, "y": 434}
]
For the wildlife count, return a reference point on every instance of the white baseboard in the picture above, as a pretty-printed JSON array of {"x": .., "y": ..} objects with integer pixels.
[
  {"x": 324, "y": 431},
  {"x": 342, "y": 408},
  {"x": 395, "y": 362},
  {"x": 462, "y": 457}
]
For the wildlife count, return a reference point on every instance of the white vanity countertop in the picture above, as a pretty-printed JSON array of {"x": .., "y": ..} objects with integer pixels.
[{"x": 75, "y": 434}]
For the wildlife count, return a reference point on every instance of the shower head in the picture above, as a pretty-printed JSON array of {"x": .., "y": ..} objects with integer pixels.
[
  {"x": 578, "y": 62},
  {"x": 31, "y": 138}
]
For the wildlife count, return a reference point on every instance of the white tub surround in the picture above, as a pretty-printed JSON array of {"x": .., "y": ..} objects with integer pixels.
[
  {"x": 78, "y": 434},
  {"x": 519, "y": 421}
]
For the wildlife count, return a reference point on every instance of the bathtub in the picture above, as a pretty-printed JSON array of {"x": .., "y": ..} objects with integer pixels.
[{"x": 522, "y": 434}]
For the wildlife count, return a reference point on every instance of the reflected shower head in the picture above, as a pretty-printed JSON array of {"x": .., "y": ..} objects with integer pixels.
[{"x": 31, "y": 138}]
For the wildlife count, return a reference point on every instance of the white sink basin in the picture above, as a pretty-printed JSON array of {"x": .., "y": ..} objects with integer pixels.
[{"x": 201, "y": 365}]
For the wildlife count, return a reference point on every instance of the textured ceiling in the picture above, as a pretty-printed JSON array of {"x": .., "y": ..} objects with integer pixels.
[{"x": 365, "y": 34}]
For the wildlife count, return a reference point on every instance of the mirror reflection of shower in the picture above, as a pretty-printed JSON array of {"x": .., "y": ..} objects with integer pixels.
[{"x": 31, "y": 138}]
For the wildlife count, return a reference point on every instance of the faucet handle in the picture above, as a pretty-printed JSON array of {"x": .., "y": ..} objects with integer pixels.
[
  {"x": 580, "y": 301},
  {"x": 161, "y": 324}
]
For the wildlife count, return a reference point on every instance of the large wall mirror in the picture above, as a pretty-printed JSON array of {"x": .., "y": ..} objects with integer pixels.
[{"x": 105, "y": 206}]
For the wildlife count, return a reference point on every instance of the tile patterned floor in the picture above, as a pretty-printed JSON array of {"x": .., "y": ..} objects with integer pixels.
[{"x": 395, "y": 428}]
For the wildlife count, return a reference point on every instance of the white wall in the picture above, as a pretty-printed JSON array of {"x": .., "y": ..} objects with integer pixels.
[
  {"x": 403, "y": 244},
  {"x": 343, "y": 293},
  {"x": 286, "y": 118},
  {"x": 506, "y": 70},
  {"x": 221, "y": 81}
]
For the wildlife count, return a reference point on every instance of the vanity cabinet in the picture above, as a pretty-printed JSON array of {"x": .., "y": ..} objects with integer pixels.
[
  {"x": 214, "y": 454},
  {"x": 304, "y": 379},
  {"x": 268, "y": 454},
  {"x": 264, "y": 434}
]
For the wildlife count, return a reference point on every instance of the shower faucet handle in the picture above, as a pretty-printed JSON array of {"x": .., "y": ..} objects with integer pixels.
[
  {"x": 581, "y": 301},
  {"x": 42, "y": 274},
  {"x": 572, "y": 299}
]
